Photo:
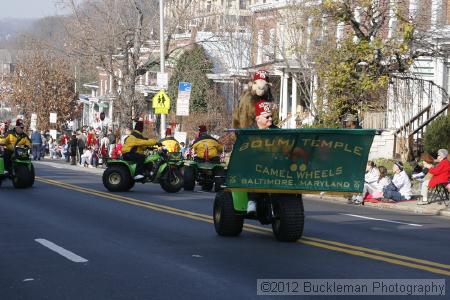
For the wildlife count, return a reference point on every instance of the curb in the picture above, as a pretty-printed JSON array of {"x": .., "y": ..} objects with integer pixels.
[
  {"x": 435, "y": 210},
  {"x": 67, "y": 166}
]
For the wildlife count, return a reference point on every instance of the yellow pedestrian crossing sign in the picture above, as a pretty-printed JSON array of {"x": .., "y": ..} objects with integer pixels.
[{"x": 161, "y": 102}]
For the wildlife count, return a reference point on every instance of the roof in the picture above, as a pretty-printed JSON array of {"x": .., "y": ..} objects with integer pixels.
[
  {"x": 5, "y": 56},
  {"x": 153, "y": 62}
]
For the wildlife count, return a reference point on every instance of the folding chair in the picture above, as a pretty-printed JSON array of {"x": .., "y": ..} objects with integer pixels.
[{"x": 439, "y": 194}]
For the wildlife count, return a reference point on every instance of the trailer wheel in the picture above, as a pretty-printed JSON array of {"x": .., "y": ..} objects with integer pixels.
[
  {"x": 289, "y": 218},
  {"x": 226, "y": 221}
]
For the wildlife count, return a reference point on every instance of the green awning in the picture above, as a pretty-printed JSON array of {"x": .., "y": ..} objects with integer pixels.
[
  {"x": 152, "y": 64},
  {"x": 175, "y": 56}
]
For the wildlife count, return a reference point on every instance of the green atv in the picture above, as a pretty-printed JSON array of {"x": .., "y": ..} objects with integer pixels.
[
  {"x": 22, "y": 170},
  {"x": 276, "y": 167},
  {"x": 207, "y": 174},
  {"x": 159, "y": 167}
]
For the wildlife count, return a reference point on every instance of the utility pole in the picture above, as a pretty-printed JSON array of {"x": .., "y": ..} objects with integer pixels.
[{"x": 162, "y": 62}]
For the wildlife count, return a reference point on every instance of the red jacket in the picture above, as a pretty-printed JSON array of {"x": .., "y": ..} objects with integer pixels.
[
  {"x": 441, "y": 173},
  {"x": 90, "y": 137}
]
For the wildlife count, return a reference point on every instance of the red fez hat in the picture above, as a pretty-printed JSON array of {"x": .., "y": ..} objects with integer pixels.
[
  {"x": 169, "y": 131},
  {"x": 262, "y": 107},
  {"x": 261, "y": 75},
  {"x": 202, "y": 129}
]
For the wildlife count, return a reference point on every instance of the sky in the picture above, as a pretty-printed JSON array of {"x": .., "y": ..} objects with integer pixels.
[{"x": 27, "y": 8}]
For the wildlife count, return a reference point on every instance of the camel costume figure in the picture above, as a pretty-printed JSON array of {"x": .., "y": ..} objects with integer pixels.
[{"x": 259, "y": 89}]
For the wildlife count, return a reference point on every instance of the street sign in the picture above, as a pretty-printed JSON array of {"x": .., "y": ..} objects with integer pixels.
[
  {"x": 184, "y": 96},
  {"x": 53, "y": 118},
  {"x": 162, "y": 80},
  {"x": 161, "y": 111},
  {"x": 161, "y": 103},
  {"x": 33, "y": 122}
]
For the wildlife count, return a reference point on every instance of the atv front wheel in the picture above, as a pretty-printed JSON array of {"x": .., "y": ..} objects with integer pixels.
[
  {"x": 117, "y": 178},
  {"x": 172, "y": 182},
  {"x": 22, "y": 176},
  {"x": 189, "y": 178}
]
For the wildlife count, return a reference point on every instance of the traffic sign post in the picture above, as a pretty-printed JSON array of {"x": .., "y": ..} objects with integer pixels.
[
  {"x": 53, "y": 118},
  {"x": 184, "y": 96},
  {"x": 161, "y": 103},
  {"x": 162, "y": 80}
]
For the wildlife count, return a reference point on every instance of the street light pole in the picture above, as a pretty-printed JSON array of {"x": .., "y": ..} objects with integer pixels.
[{"x": 162, "y": 62}]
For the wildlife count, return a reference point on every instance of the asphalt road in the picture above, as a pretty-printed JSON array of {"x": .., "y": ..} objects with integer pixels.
[{"x": 67, "y": 238}]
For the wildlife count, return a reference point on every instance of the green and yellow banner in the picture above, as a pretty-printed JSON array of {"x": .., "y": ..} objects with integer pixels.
[{"x": 299, "y": 160}]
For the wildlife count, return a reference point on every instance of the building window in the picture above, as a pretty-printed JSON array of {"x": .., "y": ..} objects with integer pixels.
[{"x": 260, "y": 47}]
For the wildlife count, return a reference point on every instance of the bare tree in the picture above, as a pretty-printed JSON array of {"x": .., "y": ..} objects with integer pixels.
[
  {"x": 112, "y": 33},
  {"x": 42, "y": 84}
]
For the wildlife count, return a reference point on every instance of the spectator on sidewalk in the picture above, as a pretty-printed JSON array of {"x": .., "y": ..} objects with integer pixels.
[
  {"x": 117, "y": 151},
  {"x": 375, "y": 191},
  {"x": 52, "y": 148},
  {"x": 86, "y": 158},
  {"x": 370, "y": 178},
  {"x": 400, "y": 187},
  {"x": 81, "y": 143},
  {"x": 112, "y": 141},
  {"x": 64, "y": 139},
  {"x": 73, "y": 147},
  {"x": 183, "y": 149},
  {"x": 95, "y": 156},
  {"x": 441, "y": 174},
  {"x": 66, "y": 152},
  {"x": 36, "y": 144},
  {"x": 44, "y": 148},
  {"x": 104, "y": 146},
  {"x": 372, "y": 173},
  {"x": 90, "y": 137}
]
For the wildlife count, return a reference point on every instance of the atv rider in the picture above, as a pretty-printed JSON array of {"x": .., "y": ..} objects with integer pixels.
[
  {"x": 134, "y": 147},
  {"x": 13, "y": 138},
  {"x": 170, "y": 143},
  {"x": 206, "y": 148}
]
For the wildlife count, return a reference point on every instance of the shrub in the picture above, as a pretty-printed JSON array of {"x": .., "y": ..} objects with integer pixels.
[
  {"x": 388, "y": 163},
  {"x": 437, "y": 135}
]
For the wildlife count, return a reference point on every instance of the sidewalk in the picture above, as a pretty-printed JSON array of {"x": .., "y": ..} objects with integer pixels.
[
  {"x": 433, "y": 209},
  {"x": 62, "y": 164}
]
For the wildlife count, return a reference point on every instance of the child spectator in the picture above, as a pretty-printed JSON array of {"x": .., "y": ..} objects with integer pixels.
[{"x": 86, "y": 158}]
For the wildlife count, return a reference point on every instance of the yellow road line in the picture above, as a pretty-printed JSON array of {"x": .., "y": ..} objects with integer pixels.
[
  {"x": 421, "y": 261},
  {"x": 311, "y": 241},
  {"x": 377, "y": 257},
  {"x": 364, "y": 249}
]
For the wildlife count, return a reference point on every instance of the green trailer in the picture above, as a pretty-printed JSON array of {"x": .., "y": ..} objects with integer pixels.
[{"x": 276, "y": 167}]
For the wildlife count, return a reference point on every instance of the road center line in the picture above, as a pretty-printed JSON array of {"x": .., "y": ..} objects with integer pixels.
[
  {"x": 61, "y": 251},
  {"x": 315, "y": 242},
  {"x": 383, "y": 220}
]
